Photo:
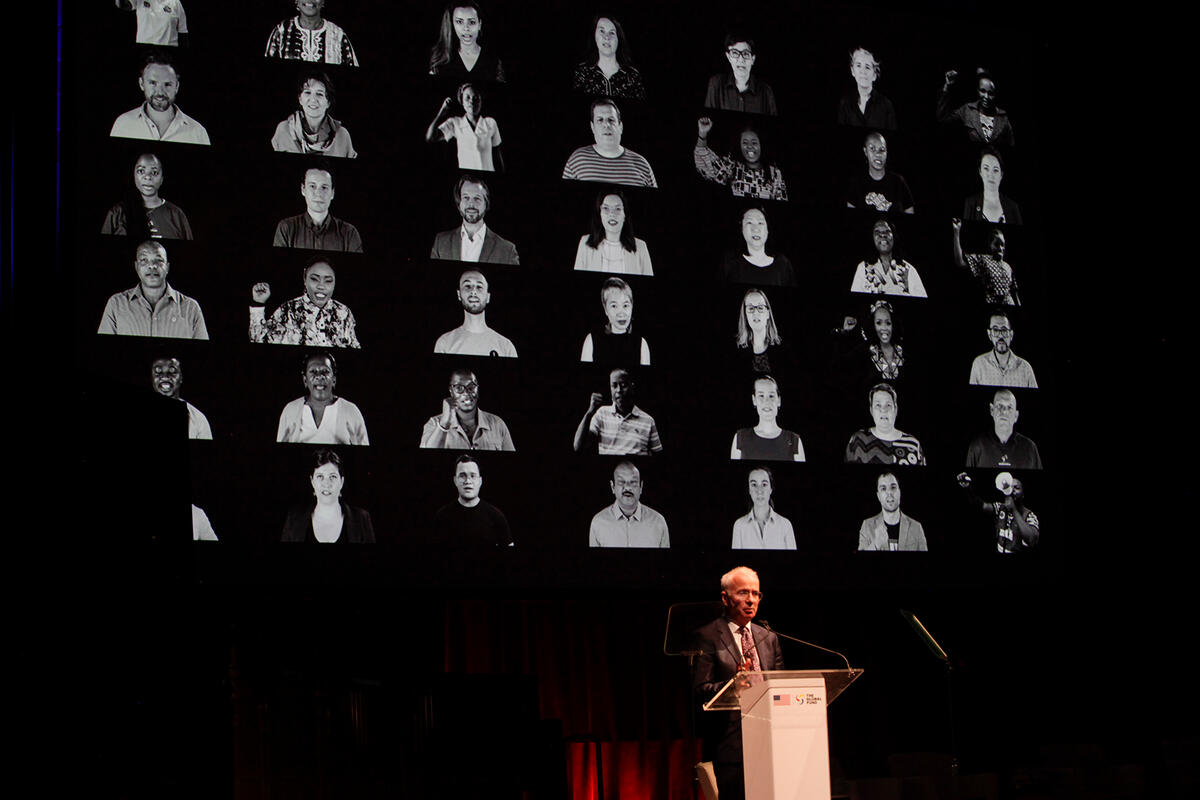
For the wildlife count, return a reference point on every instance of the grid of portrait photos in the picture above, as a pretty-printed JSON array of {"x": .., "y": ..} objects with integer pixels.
[{"x": 562, "y": 277}]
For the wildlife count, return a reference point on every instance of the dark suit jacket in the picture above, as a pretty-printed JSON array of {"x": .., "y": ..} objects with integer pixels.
[
  {"x": 447, "y": 245},
  {"x": 721, "y": 731},
  {"x": 356, "y": 525}
]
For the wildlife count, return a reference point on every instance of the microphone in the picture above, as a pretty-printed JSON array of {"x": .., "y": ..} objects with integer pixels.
[{"x": 767, "y": 625}]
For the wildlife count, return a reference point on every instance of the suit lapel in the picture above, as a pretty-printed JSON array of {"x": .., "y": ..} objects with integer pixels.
[
  {"x": 727, "y": 640},
  {"x": 489, "y": 244}
]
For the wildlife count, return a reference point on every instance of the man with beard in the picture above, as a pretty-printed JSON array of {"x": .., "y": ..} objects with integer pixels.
[
  {"x": 158, "y": 117},
  {"x": 890, "y": 529},
  {"x": 474, "y": 337},
  {"x": 166, "y": 376},
  {"x": 473, "y": 241},
  {"x": 621, "y": 428},
  {"x": 879, "y": 188},
  {"x": 153, "y": 308},
  {"x": 628, "y": 523},
  {"x": 1002, "y": 446},
  {"x": 1001, "y": 366},
  {"x": 462, "y": 425},
  {"x": 321, "y": 417},
  {"x": 607, "y": 160},
  {"x": 316, "y": 228},
  {"x": 728, "y": 645},
  {"x": 1017, "y": 528},
  {"x": 314, "y": 318},
  {"x": 470, "y": 521}
]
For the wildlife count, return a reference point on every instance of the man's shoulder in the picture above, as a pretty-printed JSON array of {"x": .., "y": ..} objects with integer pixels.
[
  {"x": 338, "y": 222},
  {"x": 650, "y": 515},
  {"x": 634, "y": 156},
  {"x": 491, "y": 234},
  {"x": 581, "y": 153},
  {"x": 602, "y": 516},
  {"x": 132, "y": 114},
  {"x": 492, "y": 420},
  {"x": 638, "y": 411}
]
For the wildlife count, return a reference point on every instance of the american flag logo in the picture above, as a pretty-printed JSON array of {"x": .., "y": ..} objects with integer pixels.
[{"x": 782, "y": 699}]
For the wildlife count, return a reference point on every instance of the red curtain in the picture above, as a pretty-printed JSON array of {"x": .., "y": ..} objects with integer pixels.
[{"x": 600, "y": 669}]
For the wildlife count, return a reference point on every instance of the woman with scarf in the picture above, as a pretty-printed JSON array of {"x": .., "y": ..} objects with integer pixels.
[{"x": 310, "y": 129}]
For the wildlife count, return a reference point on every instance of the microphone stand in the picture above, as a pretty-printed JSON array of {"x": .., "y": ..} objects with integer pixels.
[
  {"x": 767, "y": 625},
  {"x": 940, "y": 654}
]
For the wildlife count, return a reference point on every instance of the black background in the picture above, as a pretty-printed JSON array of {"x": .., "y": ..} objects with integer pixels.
[{"x": 1109, "y": 591}]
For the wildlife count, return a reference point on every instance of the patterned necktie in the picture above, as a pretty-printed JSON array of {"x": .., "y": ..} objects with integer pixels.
[{"x": 748, "y": 649}]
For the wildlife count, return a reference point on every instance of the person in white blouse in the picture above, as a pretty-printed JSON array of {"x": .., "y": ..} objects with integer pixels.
[
  {"x": 611, "y": 245},
  {"x": 763, "y": 528},
  {"x": 321, "y": 417},
  {"x": 477, "y": 136}
]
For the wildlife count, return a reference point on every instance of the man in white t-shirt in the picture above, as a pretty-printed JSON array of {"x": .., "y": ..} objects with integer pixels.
[{"x": 474, "y": 337}]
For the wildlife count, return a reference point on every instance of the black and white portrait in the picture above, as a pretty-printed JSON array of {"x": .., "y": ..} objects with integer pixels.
[
  {"x": 876, "y": 188},
  {"x": 158, "y": 118},
  {"x": 757, "y": 263},
  {"x": 886, "y": 272},
  {"x": 314, "y": 318},
  {"x": 747, "y": 170},
  {"x": 144, "y": 213},
  {"x": 327, "y": 518},
  {"x": 153, "y": 307},
  {"x": 609, "y": 245},
  {"x": 473, "y": 241},
  {"x": 321, "y": 416},
  {"x": 766, "y": 441},
  {"x": 606, "y": 160},
  {"x": 310, "y": 126},
  {"x": 469, "y": 522},
  {"x": 476, "y": 137},
  {"x": 462, "y": 424},
  {"x": 473, "y": 337},
  {"x": 739, "y": 88},
  {"x": 317, "y": 228},
  {"x": 863, "y": 105}
]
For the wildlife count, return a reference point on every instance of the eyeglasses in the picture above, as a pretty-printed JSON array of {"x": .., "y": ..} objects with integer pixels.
[
  {"x": 743, "y": 594},
  {"x": 755, "y": 309},
  {"x": 1000, "y": 331},
  {"x": 464, "y": 388},
  {"x": 740, "y": 55}
]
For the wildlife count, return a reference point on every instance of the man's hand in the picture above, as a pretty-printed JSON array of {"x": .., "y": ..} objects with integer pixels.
[
  {"x": 595, "y": 402},
  {"x": 703, "y": 127},
  {"x": 849, "y": 323},
  {"x": 260, "y": 292},
  {"x": 447, "y": 412},
  {"x": 951, "y": 77}
]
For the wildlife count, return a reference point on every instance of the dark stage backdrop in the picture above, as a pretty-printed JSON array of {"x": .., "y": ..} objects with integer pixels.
[{"x": 698, "y": 387}]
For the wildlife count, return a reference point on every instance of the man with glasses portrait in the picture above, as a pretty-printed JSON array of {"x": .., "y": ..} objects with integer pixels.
[{"x": 462, "y": 425}]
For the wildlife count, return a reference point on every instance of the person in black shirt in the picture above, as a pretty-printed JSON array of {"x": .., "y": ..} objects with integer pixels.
[{"x": 470, "y": 522}]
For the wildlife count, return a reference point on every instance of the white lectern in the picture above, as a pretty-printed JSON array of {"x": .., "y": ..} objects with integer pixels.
[{"x": 785, "y": 739}]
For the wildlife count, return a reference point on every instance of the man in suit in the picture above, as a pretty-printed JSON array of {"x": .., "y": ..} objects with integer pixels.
[
  {"x": 472, "y": 241},
  {"x": 890, "y": 529},
  {"x": 728, "y": 645}
]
